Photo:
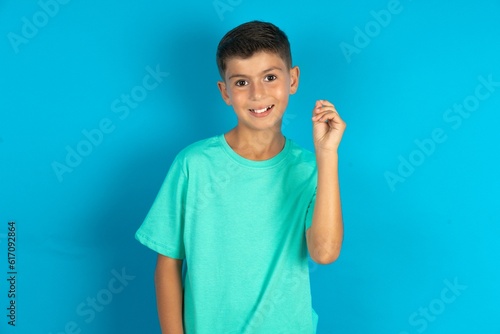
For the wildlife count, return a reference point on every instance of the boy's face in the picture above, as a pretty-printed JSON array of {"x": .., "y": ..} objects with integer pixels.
[{"x": 258, "y": 89}]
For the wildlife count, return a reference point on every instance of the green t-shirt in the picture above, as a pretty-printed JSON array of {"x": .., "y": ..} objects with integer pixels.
[{"x": 240, "y": 226}]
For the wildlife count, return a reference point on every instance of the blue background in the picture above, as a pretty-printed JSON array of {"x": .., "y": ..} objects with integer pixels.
[{"x": 405, "y": 242}]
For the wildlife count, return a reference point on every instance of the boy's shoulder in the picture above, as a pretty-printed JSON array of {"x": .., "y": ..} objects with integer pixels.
[{"x": 198, "y": 149}]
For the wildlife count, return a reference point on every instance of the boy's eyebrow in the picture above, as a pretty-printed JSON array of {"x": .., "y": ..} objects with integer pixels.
[{"x": 265, "y": 71}]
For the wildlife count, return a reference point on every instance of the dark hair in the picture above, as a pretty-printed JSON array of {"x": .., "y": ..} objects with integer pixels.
[{"x": 249, "y": 38}]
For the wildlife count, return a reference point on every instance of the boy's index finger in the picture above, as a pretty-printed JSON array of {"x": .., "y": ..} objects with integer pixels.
[
  {"x": 318, "y": 106},
  {"x": 326, "y": 103},
  {"x": 322, "y": 104}
]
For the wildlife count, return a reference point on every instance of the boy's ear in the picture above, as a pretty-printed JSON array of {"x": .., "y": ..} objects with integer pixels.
[
  {"x": 294, "y": 79},
  {"x": 223, "y": 92}
]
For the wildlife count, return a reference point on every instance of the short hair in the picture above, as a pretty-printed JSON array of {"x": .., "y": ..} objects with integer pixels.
[{"x": 252, "y": 37}]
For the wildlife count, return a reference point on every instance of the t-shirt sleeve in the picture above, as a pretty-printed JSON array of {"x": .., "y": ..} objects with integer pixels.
[
  {"x": 310, "y": 210},
  {"x": 163, "y": 227}
]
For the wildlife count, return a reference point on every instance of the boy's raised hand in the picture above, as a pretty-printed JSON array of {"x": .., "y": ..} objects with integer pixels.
[{"x": 328, "y": 127}]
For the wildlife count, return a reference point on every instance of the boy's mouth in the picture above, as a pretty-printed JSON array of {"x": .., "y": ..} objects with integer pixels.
[{"x": 263, "y": 110}]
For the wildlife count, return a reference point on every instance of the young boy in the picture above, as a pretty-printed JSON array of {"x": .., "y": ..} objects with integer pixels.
[{"x": 242, "y": 209}]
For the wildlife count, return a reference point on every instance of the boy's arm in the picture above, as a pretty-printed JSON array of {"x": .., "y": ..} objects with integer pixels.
[
  {"x": 324, "y": 237},
  {"x": 169, "y": 294}
]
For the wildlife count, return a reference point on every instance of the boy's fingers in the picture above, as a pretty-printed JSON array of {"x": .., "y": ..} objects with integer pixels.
[
  {"x": 326, "y": 115},
  {"x": 323, "y": 104},
  {"x": 326, "y": 104},
  {"x": 325, "y": 109}
]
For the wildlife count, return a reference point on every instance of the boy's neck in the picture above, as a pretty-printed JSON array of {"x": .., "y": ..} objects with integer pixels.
[{"x": 255, "y": 145}]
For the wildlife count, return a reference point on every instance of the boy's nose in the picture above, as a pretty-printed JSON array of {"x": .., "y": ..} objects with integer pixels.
[{"x": 258, "y": 91}]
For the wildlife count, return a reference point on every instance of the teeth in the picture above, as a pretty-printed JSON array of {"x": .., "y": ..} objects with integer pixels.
[{"x": 258, "y": 111}]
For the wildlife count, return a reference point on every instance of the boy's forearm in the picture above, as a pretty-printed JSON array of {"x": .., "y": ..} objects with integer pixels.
[
  {"x": 324, "y": 237},
  {"x": 169, "y": 294}
]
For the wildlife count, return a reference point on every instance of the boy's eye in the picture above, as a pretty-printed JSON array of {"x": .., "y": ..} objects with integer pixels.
[
  {"x": 240, "y": 83},
  {"x": 270, "y": 77}
]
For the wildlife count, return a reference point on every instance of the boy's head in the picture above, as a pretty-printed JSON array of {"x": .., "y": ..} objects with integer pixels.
[
  {"x": 250, "y": 38},
  {"x": 254, "y": 61}
]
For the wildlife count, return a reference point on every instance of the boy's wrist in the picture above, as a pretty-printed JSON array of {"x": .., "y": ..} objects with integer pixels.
[
  {"x": 322, "y": 153},
  {"x": 327, "y": 157}
]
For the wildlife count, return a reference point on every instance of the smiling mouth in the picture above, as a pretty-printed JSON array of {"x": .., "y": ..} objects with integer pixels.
[{"x": 260, "y": 111}]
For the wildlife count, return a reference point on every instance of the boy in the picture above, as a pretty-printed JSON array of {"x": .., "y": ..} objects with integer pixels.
[{"x": 243, "y": 208}]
